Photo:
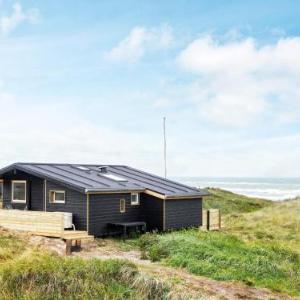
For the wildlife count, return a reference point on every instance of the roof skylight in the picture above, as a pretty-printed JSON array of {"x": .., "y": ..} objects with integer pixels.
[
  {"x": 114, "y": 177},
  {"x": 82, "y": 168}
]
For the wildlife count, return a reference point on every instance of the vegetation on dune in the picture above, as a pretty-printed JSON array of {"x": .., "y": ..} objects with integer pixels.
[
  {"x": 223, "y": 256},
  {"x": 38, "y": 275},
  {"x": 259, "y": 244},
  {"x": 229, "y": 202},
  {"x": 9, "y": 247},
  {"x": 278, "y": 224}
]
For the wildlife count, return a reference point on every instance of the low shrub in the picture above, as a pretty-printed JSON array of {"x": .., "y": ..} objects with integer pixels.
[{"x": 145, "y": 242}]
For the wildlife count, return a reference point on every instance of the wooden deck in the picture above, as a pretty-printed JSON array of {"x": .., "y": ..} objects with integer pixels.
[{"x": 49, "y": 224}]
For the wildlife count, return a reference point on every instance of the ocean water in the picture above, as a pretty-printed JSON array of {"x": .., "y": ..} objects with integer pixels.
[{"x": 269, "y": 188}]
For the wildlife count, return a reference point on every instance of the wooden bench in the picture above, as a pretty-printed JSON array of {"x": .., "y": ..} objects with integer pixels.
[
  {"x": 75, "y": 236},
  {"x": 124, "y": 226}
]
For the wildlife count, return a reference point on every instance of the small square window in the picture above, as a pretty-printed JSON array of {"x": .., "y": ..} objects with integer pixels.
[
  {"x": 135, "y": 199},
  {"x": 57, "y": 196},
  {"x": 122, "y": 205}
]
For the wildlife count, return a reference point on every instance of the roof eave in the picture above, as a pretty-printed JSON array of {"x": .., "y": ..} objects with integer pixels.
[
  {"x": 185, "y": 196},
  {"x": 201, "y": 194}
]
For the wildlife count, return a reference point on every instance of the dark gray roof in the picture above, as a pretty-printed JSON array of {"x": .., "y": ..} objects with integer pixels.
[{"x": 93, "y": 180}]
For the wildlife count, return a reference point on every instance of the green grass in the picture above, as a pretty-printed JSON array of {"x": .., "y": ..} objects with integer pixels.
[
  {"x": 229, "y": 202},
  {"x": 9, "y": 247},
  {"x": 278, "y": 224},
  {"x": 260, "y": 244},
  {"x": 223, "y": 256},
  {"x": 27, "y": 273}
]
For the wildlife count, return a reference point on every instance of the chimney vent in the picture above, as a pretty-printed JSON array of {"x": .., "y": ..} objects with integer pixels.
[{"x": 103, "y": 169}]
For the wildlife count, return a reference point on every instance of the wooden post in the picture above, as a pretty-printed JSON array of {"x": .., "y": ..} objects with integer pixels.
[
  {"x": 87, "y": 213},
  {"x": 78, "y": 244},
  {"x": 68, "y": 247},
  {"x": 45, "y": 195},
  {"x": 208, "y": 220}
]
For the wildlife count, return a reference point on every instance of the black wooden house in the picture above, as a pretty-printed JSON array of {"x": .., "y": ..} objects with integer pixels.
[{"x": 99, "y": 195}]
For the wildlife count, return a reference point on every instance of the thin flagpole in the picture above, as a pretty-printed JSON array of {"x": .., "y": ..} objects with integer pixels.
[{"x": 165, "y": 146}]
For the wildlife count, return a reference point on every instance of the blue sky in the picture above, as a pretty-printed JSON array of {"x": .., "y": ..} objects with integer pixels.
[{"x": 90, "y": 81}]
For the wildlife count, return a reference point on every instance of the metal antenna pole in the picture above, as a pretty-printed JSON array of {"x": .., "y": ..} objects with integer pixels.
[{"x": 165, "y": 146}]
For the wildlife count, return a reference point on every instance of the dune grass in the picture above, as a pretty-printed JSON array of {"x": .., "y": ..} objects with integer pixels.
[
  {"x": 9, "y": 247},
  {"x": 223, "y": 256},
  {"x": 27, "y": 273},
  {"x": 278, "y": 224},
  {"x": 229, "y": 202},
  {"x": 260, "y": 244}
]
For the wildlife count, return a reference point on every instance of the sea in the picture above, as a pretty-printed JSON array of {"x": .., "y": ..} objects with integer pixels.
[{"x": 268, "y": 188}]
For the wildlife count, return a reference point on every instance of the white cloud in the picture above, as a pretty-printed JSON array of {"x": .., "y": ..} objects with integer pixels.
[
  {"x": 54, "y": 132},
  {"x": 240, "y": 80},
  {"x": 139, "y": 41},
  {"x": 17, "y": 17},
  {"x": 208, "y": 56}
]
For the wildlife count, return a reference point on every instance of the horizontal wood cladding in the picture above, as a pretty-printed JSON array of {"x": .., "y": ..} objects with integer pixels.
[
  {"x": 34, "y": 187},
  {"x": 37, "y": 194},
  {"x": 152, "y": 211},
  {"x": 105, "y": 209},
  {"x": 75, "y": 203},
  {"x": 32, "y": 221},
  {"x": 183, "y": 213}
]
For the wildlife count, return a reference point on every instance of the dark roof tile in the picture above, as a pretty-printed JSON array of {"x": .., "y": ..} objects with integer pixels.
[{"x": 93, "y": 180}]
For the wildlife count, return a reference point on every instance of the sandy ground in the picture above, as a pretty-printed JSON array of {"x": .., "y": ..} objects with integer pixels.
[{"x": 181, "y": 282}]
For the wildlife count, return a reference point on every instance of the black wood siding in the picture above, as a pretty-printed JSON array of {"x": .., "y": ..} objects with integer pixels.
[
  {"x": 183, "y": 213},
  {"x": 152, "y": 211},
  {"x": 75, "y": 202},
  {"x": 34, "y": 186},
  {"x": 37, "y": 194},
  {"x": 105, "y": 208}
]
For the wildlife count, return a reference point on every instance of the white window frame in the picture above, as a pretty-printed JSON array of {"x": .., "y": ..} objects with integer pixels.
[
  {"x": 137, "y": 197},
  {"x": 122, "y": 211},
  {"x": 12, "y": 191},
  {"x": 54, "y": 192}
]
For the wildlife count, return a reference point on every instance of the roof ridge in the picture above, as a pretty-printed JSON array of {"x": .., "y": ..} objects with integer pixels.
[{"x": 69, "y": 164}]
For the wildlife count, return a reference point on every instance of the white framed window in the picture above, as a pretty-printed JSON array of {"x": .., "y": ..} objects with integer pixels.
[
  {"x": 135, "y": 199},
  {"x": 18, "y": 191},
  {"x": 57, "y": 196},
  {"x": 122, "y": 205}
]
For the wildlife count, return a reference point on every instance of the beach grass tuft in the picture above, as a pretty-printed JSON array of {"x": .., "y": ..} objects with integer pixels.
[{"x": 222, "y": 256}]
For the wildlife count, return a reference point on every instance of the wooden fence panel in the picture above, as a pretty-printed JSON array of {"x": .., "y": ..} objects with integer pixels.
[{"x": 32, "y": 221}]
